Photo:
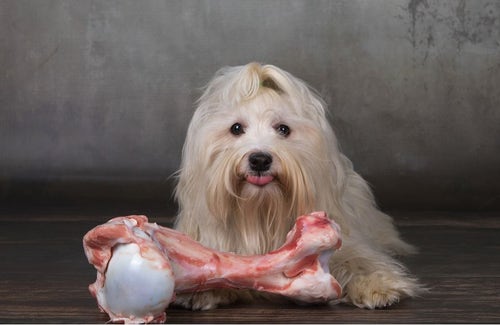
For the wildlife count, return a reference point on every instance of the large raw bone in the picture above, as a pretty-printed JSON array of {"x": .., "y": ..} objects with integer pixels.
[{"x": 142, "y": 265}]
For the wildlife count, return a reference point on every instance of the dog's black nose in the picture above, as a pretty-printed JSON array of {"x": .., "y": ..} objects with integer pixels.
[{"x": 260, "y": 161}]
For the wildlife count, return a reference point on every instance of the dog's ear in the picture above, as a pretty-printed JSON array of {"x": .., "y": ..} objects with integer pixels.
[{"x": 271, "y": 84}]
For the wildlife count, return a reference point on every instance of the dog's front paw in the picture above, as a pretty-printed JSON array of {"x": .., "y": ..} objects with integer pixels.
[
  {"x": 378, "y": 289},
  {"x": 206, "y": 300}
]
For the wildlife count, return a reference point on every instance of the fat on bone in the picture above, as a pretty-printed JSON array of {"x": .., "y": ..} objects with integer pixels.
[{"x": 142, "y": 265}]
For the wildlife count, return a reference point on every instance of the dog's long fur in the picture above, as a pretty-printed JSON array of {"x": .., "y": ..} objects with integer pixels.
[{"x": 222, "y": 210}]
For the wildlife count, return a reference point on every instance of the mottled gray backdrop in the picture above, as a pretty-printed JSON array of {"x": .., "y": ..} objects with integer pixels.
[{"x": 96, "y": 96}]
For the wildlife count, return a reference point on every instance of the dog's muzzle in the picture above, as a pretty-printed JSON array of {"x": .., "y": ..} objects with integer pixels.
[{"x": 259, "y": 164}]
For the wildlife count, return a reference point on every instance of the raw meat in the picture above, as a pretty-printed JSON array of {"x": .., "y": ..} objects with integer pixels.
[{"x": 140, "y": 266}]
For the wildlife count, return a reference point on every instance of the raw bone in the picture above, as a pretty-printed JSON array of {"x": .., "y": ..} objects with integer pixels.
[{"x": 140, "y": 266}]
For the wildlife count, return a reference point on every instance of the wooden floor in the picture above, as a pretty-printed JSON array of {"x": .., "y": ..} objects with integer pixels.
[{"x": 44, "y": 275}]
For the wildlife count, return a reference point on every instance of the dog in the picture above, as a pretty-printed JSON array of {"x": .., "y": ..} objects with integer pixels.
[{"x": 259, "y": 152}]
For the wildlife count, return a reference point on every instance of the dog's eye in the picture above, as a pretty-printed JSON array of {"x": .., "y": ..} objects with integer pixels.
[
  {"x": 237, "y": 129},
  {"x": 283, "y": 129}
]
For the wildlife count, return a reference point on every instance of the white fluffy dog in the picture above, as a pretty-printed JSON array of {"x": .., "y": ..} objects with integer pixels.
[{"x": 259, "y": 152}]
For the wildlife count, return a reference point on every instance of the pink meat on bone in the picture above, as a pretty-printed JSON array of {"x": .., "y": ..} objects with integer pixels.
[{"x": 140, "y": 266}]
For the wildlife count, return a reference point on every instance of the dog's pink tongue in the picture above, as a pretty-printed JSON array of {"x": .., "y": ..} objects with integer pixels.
[{"x": 260, "y": 180}]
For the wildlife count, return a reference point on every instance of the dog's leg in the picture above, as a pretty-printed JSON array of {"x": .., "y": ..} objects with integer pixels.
[{"x": 371, "y": 279}]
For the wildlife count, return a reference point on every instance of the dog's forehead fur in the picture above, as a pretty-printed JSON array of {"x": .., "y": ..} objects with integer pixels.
[
  {"x": 235, "y": 87},
  {"x": 266, "y": 106}
]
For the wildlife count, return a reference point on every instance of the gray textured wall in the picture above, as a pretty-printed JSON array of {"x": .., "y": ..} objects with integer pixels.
[{"x": 100, "y": 92}]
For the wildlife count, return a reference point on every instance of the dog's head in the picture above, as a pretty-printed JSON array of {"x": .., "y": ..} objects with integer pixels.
[{"x": 259, "y": 150}]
